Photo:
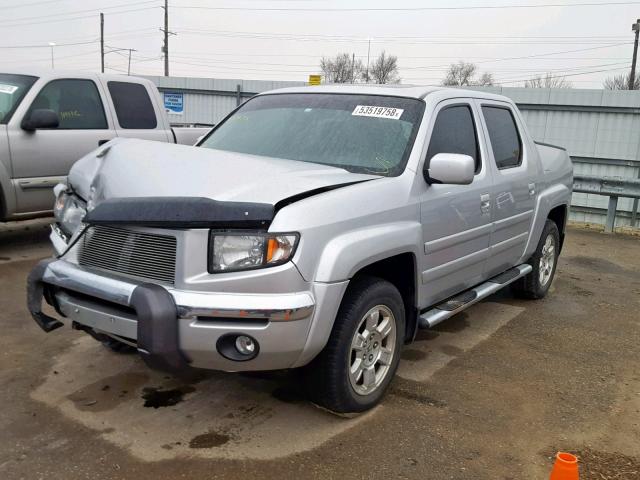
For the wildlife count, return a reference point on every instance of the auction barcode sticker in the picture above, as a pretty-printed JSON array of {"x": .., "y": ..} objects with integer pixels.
[
  {"x": 378, "y": 112},
  {"x": 7, "y": 88}
]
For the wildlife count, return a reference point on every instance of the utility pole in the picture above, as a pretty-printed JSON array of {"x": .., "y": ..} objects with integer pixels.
[
  {"x": 165, "y": 47},
  {"x": 632, "y": 76},
  {"x": 102, "y": 42},
  {"x": 368, "y": 53},
  {"x": 129, "y": 66},
  {"x": 353, "y": 68},
  {"x": 51, "y": 44}
]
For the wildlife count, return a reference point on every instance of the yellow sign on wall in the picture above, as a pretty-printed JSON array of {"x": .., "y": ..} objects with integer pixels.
[{"x": 315, "y": 79}]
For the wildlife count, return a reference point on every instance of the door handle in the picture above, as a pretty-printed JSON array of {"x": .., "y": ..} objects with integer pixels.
[
  {"x": 532, "y": 189},
  {"x": 485, "y": 203},
  {"x": 102, "y": 142}
]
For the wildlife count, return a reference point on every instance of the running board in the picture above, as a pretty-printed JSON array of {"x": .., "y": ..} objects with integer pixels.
[{"x": 467, "y": 298}]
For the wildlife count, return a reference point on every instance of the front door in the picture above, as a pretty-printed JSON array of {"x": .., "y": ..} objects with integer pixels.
[
  {"x": 42, "y": 158},
  {"x": 456, "y": 219},
  {"x": 514, "y": 190}
]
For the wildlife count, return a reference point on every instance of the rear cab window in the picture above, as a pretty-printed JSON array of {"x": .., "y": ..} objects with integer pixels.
[
  {"x": 454, "y": 131},
  {"x": 133, "y": 106},
  {"x": 504, "y": 136},
  {"x": 76, "y": 101}
]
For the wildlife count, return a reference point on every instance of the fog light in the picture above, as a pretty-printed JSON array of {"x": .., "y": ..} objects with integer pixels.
[
  {"x": 238, "y": 347},
  {"x": 245, "y": 345}
]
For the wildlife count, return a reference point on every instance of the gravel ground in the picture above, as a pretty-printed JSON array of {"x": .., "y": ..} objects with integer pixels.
[{"x": 491, "y": 394}]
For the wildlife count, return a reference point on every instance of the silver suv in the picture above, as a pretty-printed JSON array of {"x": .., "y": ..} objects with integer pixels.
[{"x": 314, "y": 227}]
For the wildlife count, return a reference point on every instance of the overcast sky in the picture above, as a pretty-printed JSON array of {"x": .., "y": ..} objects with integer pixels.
[{"x": 278, "y": 40}]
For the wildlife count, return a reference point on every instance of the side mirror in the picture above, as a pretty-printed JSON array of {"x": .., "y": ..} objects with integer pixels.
[
  {"x": 40, "y": 118},
  {"x": 451, "y": 169}
]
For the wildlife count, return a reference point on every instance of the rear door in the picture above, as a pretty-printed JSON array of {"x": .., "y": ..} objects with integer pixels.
[
  {"x": 42, "y": 158},
  {"x": 456, "y": 219},
  {"x": 135, "y": 113},
  {"x": 514, "y": 189}
]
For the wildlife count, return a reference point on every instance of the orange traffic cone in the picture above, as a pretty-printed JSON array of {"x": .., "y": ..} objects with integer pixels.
[{"x": 565, "y": 468}]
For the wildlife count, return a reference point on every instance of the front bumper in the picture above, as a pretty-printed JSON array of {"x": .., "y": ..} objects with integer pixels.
[{"x": 173, "y": 328}]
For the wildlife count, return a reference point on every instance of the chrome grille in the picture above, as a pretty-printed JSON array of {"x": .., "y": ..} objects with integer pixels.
[{"x": 138, "y": 254}]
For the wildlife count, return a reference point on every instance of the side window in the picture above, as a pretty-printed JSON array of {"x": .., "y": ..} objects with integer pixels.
[
  {"x": 454, "y": 132},
  {"x": 76, "y": 101},
  {"x": 504, "y": 136},
  {"x": 133, "y": 105}
]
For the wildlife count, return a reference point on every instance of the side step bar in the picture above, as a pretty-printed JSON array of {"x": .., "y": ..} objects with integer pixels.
[{"x": 467, "y": 298}]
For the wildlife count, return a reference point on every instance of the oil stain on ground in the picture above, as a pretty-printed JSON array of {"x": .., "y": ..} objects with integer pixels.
[
  {"x": 601, "y": 265},
  {"x": 209, "y": 440},
  {"x": 426, "y": 335},
  {"x": 156, "y": 397},
  {"x": 108, "y": 392},
  {"x": 413, "y": 355},
  {"x": 451, "y": 350}
]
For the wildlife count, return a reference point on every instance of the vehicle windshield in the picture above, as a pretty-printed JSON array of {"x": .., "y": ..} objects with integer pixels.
[
  {"x": 359, "y": 133},
  {"x": 12, "y": 89}
]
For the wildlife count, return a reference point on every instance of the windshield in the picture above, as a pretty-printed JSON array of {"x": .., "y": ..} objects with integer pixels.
[
  {"x": 12, "y": 89},
  {"x": 360, "y": 133}
]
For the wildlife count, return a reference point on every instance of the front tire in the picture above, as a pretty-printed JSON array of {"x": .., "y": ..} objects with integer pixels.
[
  {"x": 544, "y": 261},
  {"x": 361, "y": 357}
]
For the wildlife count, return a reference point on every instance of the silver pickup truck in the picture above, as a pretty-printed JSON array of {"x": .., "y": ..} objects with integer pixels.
[
  {"x": 314, "y": 227},
  {"x": 48, "y": 120}
]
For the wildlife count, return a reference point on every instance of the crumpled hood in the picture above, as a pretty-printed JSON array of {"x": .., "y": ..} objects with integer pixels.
[{"x": 126, "y": 168}]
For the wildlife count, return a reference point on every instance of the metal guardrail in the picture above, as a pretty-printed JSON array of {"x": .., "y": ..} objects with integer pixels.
[{"x": 614, "y": 188}]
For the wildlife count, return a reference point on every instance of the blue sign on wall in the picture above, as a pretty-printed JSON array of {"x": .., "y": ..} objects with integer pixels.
[{"x": 174, "y": 103}]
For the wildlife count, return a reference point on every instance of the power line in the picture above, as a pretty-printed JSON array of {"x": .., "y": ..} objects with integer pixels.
[
  {"x": 21, "y": 5},
  {"x": 436, "y": 40},
  {"x": 75, "y": 12},
  {"x": 406, "y": 9},
  {"x": 74, "y": 18},
  {"x": 48, "y": 46},
  {"x": 567, "y": 75}
]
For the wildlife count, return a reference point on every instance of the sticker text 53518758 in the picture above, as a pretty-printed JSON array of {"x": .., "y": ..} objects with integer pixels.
[{"x": 378, "y": 112}]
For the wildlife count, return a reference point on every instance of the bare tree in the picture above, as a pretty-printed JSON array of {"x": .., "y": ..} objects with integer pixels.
[
  {"x": 463, "y": 74},
  {"x": 459, "y": 74},
  {"x": 486, "y": 80},
  {"x": 547, "y": 81},
  {"x": 383, "y": 70},
  {"x": 621, "y": 82},
  {"x": 341, "y": 69}
]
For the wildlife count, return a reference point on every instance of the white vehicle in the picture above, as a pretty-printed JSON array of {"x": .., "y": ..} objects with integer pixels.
[{"x": 48, "y": 120}]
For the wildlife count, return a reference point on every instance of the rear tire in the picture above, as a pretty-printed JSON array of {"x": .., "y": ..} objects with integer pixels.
[
  {"x": 544, "y": 261},
  {"x": 361, "y": 357}
]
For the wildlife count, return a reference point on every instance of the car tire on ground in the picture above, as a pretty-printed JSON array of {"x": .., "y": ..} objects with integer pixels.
[
  {"x": 544, "y": 261},
  {"x": 361, "y": 357}
]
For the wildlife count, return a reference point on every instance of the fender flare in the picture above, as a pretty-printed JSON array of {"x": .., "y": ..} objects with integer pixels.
[
  {"x": 338, "y": 261},
  {"x": 550, "y": 198},
  {"x": 339, "y": 264}
]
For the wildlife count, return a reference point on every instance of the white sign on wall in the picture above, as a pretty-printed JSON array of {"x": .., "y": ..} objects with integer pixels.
[{"x": 174, "y": 103}]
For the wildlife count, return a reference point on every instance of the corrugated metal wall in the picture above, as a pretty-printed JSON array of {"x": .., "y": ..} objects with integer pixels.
[
  {"x": 599, "y": 128},
  {"x": 208, "y": 100}
]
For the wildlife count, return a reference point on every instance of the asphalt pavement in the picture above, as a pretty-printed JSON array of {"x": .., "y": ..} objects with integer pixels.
[{"x": 492, "y": 393}]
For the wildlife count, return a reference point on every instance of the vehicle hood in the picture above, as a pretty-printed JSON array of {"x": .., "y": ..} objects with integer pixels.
[{"x": 127, "y": 168}]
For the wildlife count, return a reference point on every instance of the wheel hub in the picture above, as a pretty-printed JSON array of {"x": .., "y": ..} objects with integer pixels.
[
  {"x": 547, "y": 260},
  {"x": 372, "y": 350}
]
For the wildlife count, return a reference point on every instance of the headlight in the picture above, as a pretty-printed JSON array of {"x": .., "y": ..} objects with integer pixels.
[
  {"x": 69, "y": 210},
  {"x": 233, "y": 251}
]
